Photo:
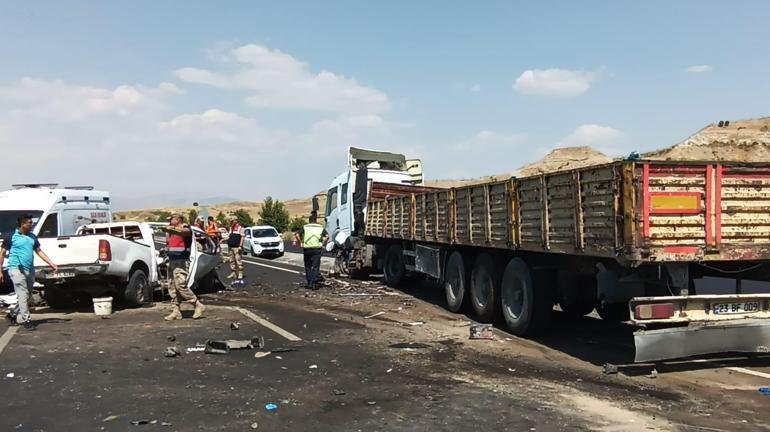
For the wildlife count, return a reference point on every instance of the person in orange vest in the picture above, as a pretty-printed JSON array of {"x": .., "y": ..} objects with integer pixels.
[
  {"x": 212, "y": 231},
  {"x": 180, "y": 239}
]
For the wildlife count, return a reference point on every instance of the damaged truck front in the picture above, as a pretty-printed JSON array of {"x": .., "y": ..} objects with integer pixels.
[{"x": 678, "y": 249}]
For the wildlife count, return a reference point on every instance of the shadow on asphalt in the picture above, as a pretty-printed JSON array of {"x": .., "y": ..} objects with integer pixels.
[{"x": 595, "y": 341}]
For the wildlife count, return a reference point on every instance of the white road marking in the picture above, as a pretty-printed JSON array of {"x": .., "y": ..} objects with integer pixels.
[
  {"x": 749, "y": 372},
  {"x": 7, "y": 336},
  {"x": 272, "y": 267},
  {"x": 254, "y": 317}
]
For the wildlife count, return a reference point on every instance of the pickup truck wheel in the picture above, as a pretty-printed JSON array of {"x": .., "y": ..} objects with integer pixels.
[
  {"x": 613, "y": 312},
  {"x": 136, "y": 292},
  {"x": 485, "y": 288},
  {"x": 455, "y": 282},
  {"x": 395, "y": 267},
  {"x": 525, "y": 298},
  {"x": 56, "y": 297}
]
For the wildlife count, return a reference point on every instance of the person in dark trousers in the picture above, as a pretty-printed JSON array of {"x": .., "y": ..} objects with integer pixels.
[
  {"x": 311, "y": 238},
  {"x": 21, "y": 245}
]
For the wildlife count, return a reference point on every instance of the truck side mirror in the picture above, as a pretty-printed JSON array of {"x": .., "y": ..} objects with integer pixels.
[{"x": 315, "y": 204}]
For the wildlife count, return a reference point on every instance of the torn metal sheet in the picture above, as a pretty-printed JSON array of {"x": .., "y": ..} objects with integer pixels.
[{"x": 751, "y": 336}]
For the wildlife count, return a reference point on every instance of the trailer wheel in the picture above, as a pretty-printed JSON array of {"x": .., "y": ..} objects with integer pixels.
[
  {"x": 613, "y": 312},
  {"x": 525, "y": 298},
  {"x": 56, "y": 297},
  {"x": 455, "y": 281},
  {"x": 585, "y": 301},
  {"x": 395, "y": 267},
  {"x": 137, "y": 291},
  {"x": 485, "y": 285}
]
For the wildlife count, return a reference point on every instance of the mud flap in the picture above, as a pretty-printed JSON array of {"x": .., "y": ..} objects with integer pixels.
[{"x": 751, "y": 336}]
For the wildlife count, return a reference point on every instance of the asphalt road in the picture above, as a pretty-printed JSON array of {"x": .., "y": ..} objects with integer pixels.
[{"x": 367, "y": 359}]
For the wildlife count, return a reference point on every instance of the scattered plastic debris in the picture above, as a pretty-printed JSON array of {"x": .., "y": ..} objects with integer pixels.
[
  {"x": 609, "y": 369},
  {"x": 389, "y": 370},
  {"x": 166, "y": 424},
  {"x": 140, "y": 422},
  {"x": 271, "y": 407},
  {"x": 374, "y": 315},
  {"x": 235, "y": 325},
  {"x": 409, "y": 345},
  {"x": 313, "y": 367},
  {"x": 653, "y": 374},
  {"x": 765, "y": 391},
  {"x": 110, "y": 418},
  {"x": 171, "y": 352},
  {"x": 10, "y": 375},
  {"x": 481, "y": 331},
  {"x": 414, "y": 324},
  {"x": 260, "y": 354},
  {"x": 338, "y": 392},
  {"x": 254, "y": 425},
  {"x": 171, "y": 338},
  {"x": 224, "y": 346}
]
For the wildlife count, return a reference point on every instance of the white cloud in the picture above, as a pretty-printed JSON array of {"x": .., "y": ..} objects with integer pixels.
[
  {"x": 603, "y": 138},
  {"x": 475, "y": 88},
  {"x": 554, "y": 82},
  {"x": 699, "y": 69},
  {"x": 273, "y": 79},
  {"x": 489, "y": 140}
]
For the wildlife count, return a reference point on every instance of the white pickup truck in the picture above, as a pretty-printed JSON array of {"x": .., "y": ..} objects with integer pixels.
[{"x": 111, "y": 259}]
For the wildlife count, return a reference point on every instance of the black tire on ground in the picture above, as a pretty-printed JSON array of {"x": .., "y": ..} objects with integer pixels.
[
  {"x": 485, "y": 288},
  {"x": 526, "y": 298},
  {"x": 455, "y": 282},
  {"x": 138, "y": 290},
  {"x": 613, "y": 312},
  {"x": 585, "y": 301},
  {"x": 208, "y": 283},
  {"x": 395, "y": 266},
  {"x": 56, "y": 297}
]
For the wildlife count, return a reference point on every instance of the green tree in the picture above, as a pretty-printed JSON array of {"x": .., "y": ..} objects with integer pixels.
[
  {"x": 193, "y": 214},
  {"x": 274, "y": 213},
  {"x": 221, "y": 219},
  {"x": 297, "y": 223},
  {"x": 244, "y": 218}
]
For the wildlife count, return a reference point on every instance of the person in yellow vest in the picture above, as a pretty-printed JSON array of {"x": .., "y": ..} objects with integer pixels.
[{"x": 312, "y": 238}]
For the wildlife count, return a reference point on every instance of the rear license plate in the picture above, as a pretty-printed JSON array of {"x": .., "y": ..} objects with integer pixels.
[
  {"x": 61, "y": 275},
  {"x": 735, "y": 308}
]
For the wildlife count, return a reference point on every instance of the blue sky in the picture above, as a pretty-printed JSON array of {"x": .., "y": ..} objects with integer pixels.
[{"x": 267, "y": 96}]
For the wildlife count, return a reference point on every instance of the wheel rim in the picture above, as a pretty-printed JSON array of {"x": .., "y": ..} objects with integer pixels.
[{"x": 513, "y": 298}]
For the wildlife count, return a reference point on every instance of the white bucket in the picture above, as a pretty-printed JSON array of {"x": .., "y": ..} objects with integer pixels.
[{"x": 102, "y": 305}]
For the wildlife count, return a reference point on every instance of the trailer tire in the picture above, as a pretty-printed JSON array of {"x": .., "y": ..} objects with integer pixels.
[
  {"x": 56, "y": 297},
  {"x": 394, "y": 266},
  {"x": 137, "y": 291},
  {"x": 613, "y": 312},
  {"x": 485, "y": 288},
  {"x": 586, "y": 300},
  {"x": 526, "y": 298},
  {"x": 455, "y": 281}
]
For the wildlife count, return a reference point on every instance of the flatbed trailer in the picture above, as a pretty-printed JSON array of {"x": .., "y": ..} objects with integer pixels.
[{"x": 639, "y": 240}]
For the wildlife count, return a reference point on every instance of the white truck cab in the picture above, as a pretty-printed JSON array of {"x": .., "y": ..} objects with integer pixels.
[
  {"x": 56, "y": 211},
  {"x": 347, "y": 194}
]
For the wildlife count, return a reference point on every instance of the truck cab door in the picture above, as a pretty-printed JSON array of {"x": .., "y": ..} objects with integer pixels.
[
  {"x": 332, "y": 211},
  {"x": 345, "y": 209},
  {"x": 200, "y": 263}
]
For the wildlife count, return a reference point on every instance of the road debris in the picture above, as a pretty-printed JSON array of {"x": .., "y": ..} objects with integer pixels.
[
  {"x": 414, "y": 324},
  {"x": 10, "y": 375},
  {"x": 313, "y": 367},
  {"x": 199, "y": 347},
  {"x": 653, "y": 374},
  {"x": 171, "y": 352},
  {"x": 481, "y": 331},
  {"x": 271, "y": 407},
  {"x": 110, "y": 418},
  {"x": 283, "y": 350},
  {"x": 765, "y": 391},
  {"x": 224, "y": 346},
  {"x": 171, "y": 338},
  {"x": 338, "y": 392},
  {"x": 374, "y": 315},
  {"x": 609, "y": 369},
  {"x": 140, "y": 422},
  {"x": 261, "y": 354},
  {"x": 409, "y": 345},
  {"x": 254, "y": 425},
  {"x": 235, "y": 325}
]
